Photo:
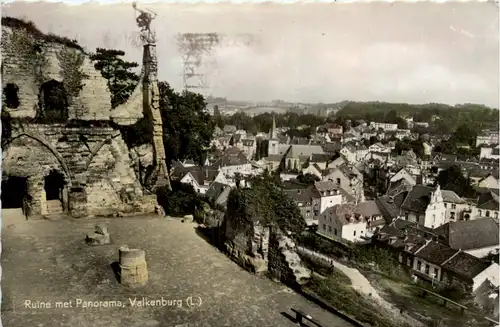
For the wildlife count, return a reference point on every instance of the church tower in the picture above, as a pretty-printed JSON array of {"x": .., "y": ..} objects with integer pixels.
[{"x": 272, "y": 148}]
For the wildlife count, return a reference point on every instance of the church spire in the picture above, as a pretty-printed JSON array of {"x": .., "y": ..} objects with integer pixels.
[{"x": 274, "y": 135}]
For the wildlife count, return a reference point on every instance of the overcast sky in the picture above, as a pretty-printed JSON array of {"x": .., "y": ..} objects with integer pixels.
[{"x": 417, "y": 53}]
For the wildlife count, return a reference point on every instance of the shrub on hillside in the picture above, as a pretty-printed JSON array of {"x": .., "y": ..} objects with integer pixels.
[{"x": 182, "y": 200}]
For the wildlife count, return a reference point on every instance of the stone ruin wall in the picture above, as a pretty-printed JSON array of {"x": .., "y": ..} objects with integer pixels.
[
  {"x": 265, "y": 250},
  {"x": 94, "y": 100},
  {"x": 247, "y": 247},
  {"x": 285, "y": 264},
  {"x": 95, "y": 161}
]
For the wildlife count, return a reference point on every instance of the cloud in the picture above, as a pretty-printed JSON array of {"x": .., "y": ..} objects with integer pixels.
[{"x": 423, "y": 52}]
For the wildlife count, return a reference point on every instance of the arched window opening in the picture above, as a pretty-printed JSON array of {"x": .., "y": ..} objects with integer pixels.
[
  {"x": 53, "y": 102},
  {"x": 11, "y": 95}
]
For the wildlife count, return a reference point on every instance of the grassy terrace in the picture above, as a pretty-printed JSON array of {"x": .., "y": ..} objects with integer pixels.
[
  {"x": 335, "y": 289},
  {"x": 394, "y": 285},
  {"x": 429, "y": 309}
]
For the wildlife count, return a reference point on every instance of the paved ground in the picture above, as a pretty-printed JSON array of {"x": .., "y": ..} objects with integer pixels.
[{"x": 47, "y": 261}]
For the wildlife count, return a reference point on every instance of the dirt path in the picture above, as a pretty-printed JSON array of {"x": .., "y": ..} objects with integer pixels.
[{"x": 360, "y": 283}]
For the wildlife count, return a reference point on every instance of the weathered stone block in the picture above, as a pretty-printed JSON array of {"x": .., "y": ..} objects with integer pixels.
[
  {"x": 98, "y": 239},
  {"x": 101, "y": 229},
  {"x": 133, "y": 267}
]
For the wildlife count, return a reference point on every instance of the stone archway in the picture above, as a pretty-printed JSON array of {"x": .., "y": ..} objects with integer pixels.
[
  {"x": 31, "y": 158},
  {"x": 56, "y": 193},
  {"x": 14, "y": 189}
]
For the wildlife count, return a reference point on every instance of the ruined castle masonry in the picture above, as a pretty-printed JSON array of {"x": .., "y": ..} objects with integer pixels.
[
  {"x": 264, "y": 250},
  {"x": 70, "y": 158}
]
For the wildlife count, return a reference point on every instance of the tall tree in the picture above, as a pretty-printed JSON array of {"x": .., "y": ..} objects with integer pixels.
[
  {"x": 453, "y": 179},
  {"x": 187, "y": 126},
  {"x": 118, "y": 72}
]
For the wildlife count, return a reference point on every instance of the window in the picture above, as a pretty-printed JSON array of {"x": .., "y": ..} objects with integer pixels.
[
  {"x": 11, "y": 92},
  {"x": 338, "y": 181},
  {"x": 324, "y": 227},
  {"x": 53, "y": 102},
  {"x": 435, "y": 273},
  {"x": 453, "y": 206},
  {"x": 495, "y": 214},
  {"x": 329, "y": 229},
  {"x": 445, "y": 205},
  {"x": 335, "y": 231},
  {"x": 427, "y": 269},
  {"x": 487, "y": 213},
  {"x": 479, "y": 213},
  {"x": 452, "y": 215},
  {"x": 361, "y": 232},
  {"x": 354, "y": 233},
  {"x": 419, "y": 265}
]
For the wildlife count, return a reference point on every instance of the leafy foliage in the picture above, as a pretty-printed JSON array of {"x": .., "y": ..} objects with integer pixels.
[
  {"x": 308, "y": 178},
  {"x": 453, "y": 179},
  {"x": 71, "y": 63},
  {"x": 187, "y": 127},
  {"x": 346, "y": 299},
  {"x": 443, "y": 119},
  {"x": 263, "y": 122},
  {"x": 406, "y": 144},
  {"x": 265, "y": 202},
  {"x": 121, "y": 80},
  {"x": 31, "y": 50},
  {"x": 180, "y": 201}
]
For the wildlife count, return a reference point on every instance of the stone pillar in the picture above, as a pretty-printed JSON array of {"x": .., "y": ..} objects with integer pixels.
[
  {"x": 77, "y": 198},
  {"x": 38, "y": 197},
  {"x": 64, "y": 197},
  {"x": 133, "y": 267}
]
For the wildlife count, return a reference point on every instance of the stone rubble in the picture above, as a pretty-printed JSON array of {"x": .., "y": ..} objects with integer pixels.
[{"x": 99, "y": 237}]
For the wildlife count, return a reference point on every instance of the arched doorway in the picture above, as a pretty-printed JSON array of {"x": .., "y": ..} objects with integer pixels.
[
  {"x": 14, "y": 189},
  {"x": 55, "y": 193},
  {"x": 53, "y": 102}
]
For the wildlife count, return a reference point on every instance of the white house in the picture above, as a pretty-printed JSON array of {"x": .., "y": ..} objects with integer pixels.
[
  {"x": 201, "y": 180},
  {"x": 487, "y": 138},
  {"x": 402, "y": 173},
  {"x": 488, "y": 182},
  {"x": 487, "y": 206},
  {"x": 343, "y": 221},
  {"x": 425, "y": 206},
  {"x": 490, "y": 152},
  {"x": 349, "y": 153},
  {"x": 361, "y": 152},
  {"x": 313, "y": 170},
  {"x": 330, "y": 194},
  {"x": 379, "y": 148},
  {"x": 384, "y": 126},
  {"x": 232, "y": 162},
  {"x": 456, "y": 207},
  {"x": 427, "y": 148}
]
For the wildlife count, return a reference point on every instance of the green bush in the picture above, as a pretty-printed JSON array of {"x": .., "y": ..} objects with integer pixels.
[{"x": 182, "y": 200}]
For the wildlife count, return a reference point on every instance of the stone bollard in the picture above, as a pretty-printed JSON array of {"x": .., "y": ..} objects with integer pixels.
[
  {"x": 99, "y": 237},
  {"x": 133, "y": 267}
]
